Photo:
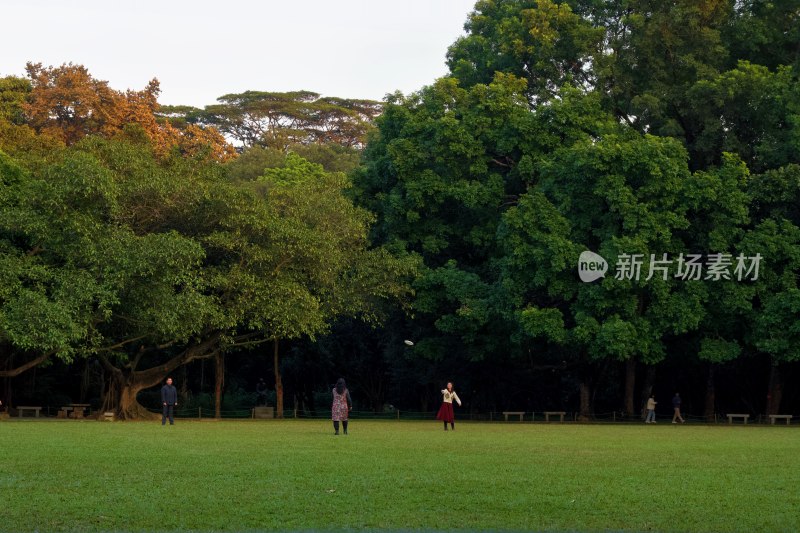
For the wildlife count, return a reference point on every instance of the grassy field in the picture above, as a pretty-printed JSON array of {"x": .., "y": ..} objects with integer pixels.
[{"x": 295, "y": 475}]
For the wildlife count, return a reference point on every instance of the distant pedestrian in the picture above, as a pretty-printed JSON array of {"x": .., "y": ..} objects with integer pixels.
[
  {"x": 169, "y": 399},
  {"x": 676, "y": 406},
  {"x": 651, "y": 410},
  {"x": 342, "y": 405},
  {"x": 446, "y": 410},
  {"x": 261, "y": 392}
]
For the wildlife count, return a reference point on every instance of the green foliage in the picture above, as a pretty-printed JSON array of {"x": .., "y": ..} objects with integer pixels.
[
  {"x": 82, "y": 274},
  {"x": 620, "y": 194},
  {"x": 13, "y": 94},
  {"x": 749, "y": 111},
  {"x": 439, "y": 175},
  {"x": 293, "y": 254},
  {"x": 279, "y": 120},
  {"x": 543, "y": 42},
  {"x": 253, "y": 161},
  {"x": 547, "y": 323},
  {"x": 718, "y": 350},
  {"x": 106, "y": 249},
  {"x": 765, "y": 32},
  {"x": 715, "y": 74},
  {"x": 617, "y": 127},
  {"x": 439, "y": 171}
]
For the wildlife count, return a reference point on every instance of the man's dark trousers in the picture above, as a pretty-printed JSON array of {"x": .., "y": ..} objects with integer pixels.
[{"x": 168, "y": 412}]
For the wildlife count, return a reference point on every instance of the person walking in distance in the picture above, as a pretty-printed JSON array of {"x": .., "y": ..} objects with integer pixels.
[
  {"x": 676, "y": 406},
  {"x": 169, "y": 399},
  {"x": 651, "y": 410},
  {"x": 446, "y": 410},
  {"x": 342, "y": 405}
]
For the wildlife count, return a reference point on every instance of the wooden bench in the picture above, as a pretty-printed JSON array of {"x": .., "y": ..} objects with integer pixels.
[
  {"x": 108, "y": 416},
  {"x": 21, "y": 408},
  {"x": 737, "y": 415},
  {"x": 520, "y": 414},
  {"x": 263, "y": 412},
  {"x": 64, "y": 412},
  {"x": 547, "y": 415},
  {"x": 78, "y": 409},
  {"x": 788, "y": 418}
]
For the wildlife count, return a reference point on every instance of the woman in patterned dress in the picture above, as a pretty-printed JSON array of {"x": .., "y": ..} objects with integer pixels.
[
  {"x": 446, "y": 410},
  {"x": 342, "y": 404}
]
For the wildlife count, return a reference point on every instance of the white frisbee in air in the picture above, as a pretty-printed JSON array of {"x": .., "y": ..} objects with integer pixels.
[{"x": 408, "y": 342}]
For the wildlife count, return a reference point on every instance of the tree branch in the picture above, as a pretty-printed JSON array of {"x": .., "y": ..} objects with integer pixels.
[
  {"x": 153, "y": 376},
  {"x": 251, "y": 343},
  {"x": 111, "y": 369},
  {"x": 120, "y": 344},
  {"x": 26, "y": 366}
]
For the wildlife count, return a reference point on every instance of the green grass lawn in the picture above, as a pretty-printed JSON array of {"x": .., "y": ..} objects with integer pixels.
[{"x": 295, "y": 475}]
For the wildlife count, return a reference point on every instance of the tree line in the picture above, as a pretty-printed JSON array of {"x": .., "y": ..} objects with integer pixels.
[
  {"x": 662, "y": 134},
  {"x": 146, "y": 246},
  {"x": 628, "y": 128}
]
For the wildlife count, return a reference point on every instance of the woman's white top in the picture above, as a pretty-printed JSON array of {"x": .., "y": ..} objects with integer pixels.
[{"x": 448, "y": 396}]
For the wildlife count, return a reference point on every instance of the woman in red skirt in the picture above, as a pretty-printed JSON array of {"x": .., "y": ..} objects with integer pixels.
[{"x": 446, "y": 410}]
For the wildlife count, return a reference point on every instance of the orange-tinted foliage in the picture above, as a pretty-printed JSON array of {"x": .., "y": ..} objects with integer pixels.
[{"x": 67, "y": 103}]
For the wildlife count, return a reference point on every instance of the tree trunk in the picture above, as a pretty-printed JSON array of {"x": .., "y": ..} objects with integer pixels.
[
  {"x": 121, "y": 398},
  {"x": 7, "y": 398},
  {"x": 125, "y": 383},
  {"x": 278, "y": 382},
  {"x": 711, "y": 397},
  {"x": 586, "y": 405},
  {"x": 85, "y": 379},
  {"x": 219, "y": 384},
  {"x": 647, "y": 388},
  {"x": 775, "y": 392},
  {"x": 630, "y": 386},
  {"x": 129, "y": 408}
]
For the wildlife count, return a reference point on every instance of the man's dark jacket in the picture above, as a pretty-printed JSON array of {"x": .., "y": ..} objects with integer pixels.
[{"x": 169, "y": 395}]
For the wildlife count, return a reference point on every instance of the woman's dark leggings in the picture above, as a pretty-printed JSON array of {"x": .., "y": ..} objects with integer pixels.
[
  {"x": 336, "y": 426},
  {"x": 452, "y": 425}
]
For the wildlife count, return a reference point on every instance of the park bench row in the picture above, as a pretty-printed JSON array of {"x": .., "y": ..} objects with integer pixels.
[
  {"x": 772, "y": 418},
  {"x": 560, "y": 414},
  {"x": 75, "y": 410},
  {"x": 547, "y": 415}
]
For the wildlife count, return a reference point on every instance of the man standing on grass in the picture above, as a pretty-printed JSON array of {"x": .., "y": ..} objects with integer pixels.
[{"x": 169, "y": 399}]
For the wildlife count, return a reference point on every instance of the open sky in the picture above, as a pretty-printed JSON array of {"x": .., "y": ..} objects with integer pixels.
[{"x": 202, "y": 49}]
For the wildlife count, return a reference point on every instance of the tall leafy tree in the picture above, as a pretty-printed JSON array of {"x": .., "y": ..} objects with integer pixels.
[
  {"x": 148, "y": 264},
  {"x": 541, "y": 41},
  {"x": 440, "y": 172},
  {"x": 297, "y": 257},
  {"x": 68, "y": 103},
  {"x": 619, "y": 195},
  {"x": 13, "y": 94},
  {"x": 277, "y": 120},
  {"x": 776, "y": 196},
  {"x": 600, "y": 84}
]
